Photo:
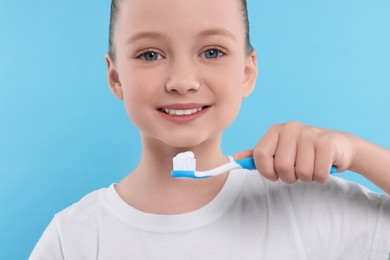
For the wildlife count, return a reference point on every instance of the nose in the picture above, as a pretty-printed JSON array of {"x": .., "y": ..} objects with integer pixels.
[{"x": 182, "y": 78}]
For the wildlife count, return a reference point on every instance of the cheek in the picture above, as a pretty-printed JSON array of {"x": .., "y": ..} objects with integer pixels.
[
  {"x": 229, "y": 84},
  {"x": 139, "y": 93},
  {"x": 232, "y": 107},
  {"x": 229, "y": 100}
]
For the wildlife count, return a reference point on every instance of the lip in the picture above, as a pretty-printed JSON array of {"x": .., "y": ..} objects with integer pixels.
[
  {"x": 183, "y": 106},
  {"x": 181, "y": 119}
]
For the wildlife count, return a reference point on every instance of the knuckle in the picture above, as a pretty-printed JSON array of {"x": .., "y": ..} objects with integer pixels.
[
  {"x": 274, "y": 128},
  {"x": 286, "y": 172},
  {"x": 260, "y": 153},
  {"x": 308, "y": 131},
  {"x": 294, "y": 124},
  {"x": 304, "y": 174},
  {"x": 324, "y": 141},
  {"x": 321, "y": 177},
  {"x": 282, "y": 167}
]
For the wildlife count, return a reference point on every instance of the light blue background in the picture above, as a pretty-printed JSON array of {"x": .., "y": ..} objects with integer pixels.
[{"x": 62, "y": 133}]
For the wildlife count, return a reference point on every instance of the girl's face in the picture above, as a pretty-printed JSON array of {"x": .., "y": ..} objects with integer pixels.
[{"x": 181, "y": 68}]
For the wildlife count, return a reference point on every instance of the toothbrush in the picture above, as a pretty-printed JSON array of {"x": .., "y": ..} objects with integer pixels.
[{"x": 184, "y": 167}]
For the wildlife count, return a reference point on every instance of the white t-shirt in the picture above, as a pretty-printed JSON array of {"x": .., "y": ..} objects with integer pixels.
[{"x": 250, "y": 218}]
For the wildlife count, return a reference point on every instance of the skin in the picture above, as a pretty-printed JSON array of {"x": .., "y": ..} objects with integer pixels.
[
  {"x": 183, "y": 73},
  {"x": 294, "y": 151}
]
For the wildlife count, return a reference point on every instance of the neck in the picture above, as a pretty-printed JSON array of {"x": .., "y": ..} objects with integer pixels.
[{"x": 151, "y": 188}]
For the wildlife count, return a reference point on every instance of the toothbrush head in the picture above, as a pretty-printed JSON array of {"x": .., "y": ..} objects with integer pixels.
[{"x": 184, "y": 166}]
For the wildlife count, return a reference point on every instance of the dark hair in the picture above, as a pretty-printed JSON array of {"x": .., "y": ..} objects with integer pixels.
[{"x": 114, "y": 17}]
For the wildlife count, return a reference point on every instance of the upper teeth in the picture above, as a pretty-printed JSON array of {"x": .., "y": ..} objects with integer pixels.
[{"x": 180, "y": 112}]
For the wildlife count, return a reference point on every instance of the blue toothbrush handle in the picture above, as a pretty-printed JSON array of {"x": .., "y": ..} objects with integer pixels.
[
  {"x": 333, "y": 170},
  {"x": 249, "y": 164}
]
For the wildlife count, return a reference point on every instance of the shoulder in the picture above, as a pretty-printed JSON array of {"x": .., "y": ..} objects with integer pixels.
[
  {"x": 72, "y": 230},
  {"x": 80, "y": 212},
  {"x": 350, "y": 212}
]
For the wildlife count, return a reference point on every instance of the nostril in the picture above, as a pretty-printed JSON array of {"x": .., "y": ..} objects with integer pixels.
[{"x": 182, "y": 86}]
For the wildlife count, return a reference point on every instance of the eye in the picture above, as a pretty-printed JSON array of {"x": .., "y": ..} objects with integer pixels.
[
  {"x": 149, "y": 56},
  {"x": 213, "y": 53}
]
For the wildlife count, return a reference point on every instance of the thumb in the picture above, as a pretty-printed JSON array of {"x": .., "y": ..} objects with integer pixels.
[{"x": 243, "y": 154}]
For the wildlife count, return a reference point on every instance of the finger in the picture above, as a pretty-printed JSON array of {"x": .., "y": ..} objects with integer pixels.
[
  {"x": 284, "y": 162},
  {"x": 304, "y": 164},
  {"x": 243, "y": 154},
  {"x": 323, "y": 162},
  {"x": 339, "y": 159},
  {"x": 264, "y": 152}
]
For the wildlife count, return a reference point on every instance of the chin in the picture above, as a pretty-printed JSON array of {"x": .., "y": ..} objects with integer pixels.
[
  {"x": 183, "y": 143},
  {"x": 188, "y": 141}
]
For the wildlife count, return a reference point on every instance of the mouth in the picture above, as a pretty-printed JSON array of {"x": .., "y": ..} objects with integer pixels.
[
  {"x": 181, "y": 113},
  {"x": 181, "y": 110}
]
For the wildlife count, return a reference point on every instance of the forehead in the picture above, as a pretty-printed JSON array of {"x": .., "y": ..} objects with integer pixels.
[{"x": 182, "y": 17}]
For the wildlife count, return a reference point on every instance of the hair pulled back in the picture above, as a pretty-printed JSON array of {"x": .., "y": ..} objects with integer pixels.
[{"x": 115, "y": 7}]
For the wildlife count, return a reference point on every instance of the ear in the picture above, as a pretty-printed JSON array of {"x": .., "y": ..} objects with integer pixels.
[
  {"x": 250, "y": 74},
  {"x": 113, "y": 78}
]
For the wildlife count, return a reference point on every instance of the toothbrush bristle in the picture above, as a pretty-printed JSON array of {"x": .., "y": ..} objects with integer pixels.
[
  {"x": 184, "y": 167},
  {"x": 184, "y": 162}
]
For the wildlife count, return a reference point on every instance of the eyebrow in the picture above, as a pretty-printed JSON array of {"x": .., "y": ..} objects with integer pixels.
[
  {"x": 140, "y": 35},
  {"x": 217, "y": 31},
  {"x": 206, "y": 33}
]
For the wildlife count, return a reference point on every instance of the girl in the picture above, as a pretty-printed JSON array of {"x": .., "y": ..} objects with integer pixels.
[{"x": 182, "y": 68}]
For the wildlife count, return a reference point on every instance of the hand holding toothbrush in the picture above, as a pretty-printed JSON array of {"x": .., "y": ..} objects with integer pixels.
[{"x": 293, "y": 151}]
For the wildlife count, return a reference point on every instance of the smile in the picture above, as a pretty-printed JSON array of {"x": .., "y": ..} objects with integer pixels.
[{"x": 180, "y": 112}]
